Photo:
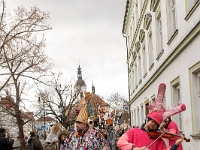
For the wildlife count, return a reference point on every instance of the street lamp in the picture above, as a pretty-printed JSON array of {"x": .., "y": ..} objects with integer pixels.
[{"x": 43, "y": 117}]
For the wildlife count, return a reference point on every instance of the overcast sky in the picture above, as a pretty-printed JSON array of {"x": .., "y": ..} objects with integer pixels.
[{"x": 89, "y": 31}]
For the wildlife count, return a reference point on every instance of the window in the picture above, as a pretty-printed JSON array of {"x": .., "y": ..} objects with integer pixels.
[
  {"x": 134, "y": 117},
  {"x": 159, "y": 34},
  {"x": 141, "y": 5},
  {"x": 130, "y": 79},
  {"x": 176, "y": 101},
  {"x": 190, "y": 4},
  {"x": 171, "y": 17},
  {"x": 150, "y": 49},
  {"x": 132, "y": 123},
  {"x": 153, "y": 101},
  {"x": 164, "y": 103},
  {"x": 142, "y": 114},
  {"x": 140, "y": 68},
  {"x": 195, "y": 96},
  {"x": 138, "y": 117},
  {"x": 131, "y": 34},
  {"x": 133, "y": 25},
  {"x": 136, "y": 76},
  {"x": 136, "y": 12},
  {"x": 144, "y": 59},
  {"x": 146, "y": 109},
  {"x": 129, "y": 43}
]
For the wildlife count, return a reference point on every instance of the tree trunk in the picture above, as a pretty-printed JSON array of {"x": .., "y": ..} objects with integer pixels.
[{"x": 21, "y": 132}]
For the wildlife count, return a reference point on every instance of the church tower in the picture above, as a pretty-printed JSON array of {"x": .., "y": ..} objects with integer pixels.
[
  {"x": 93, "y": 88},
  {"x": 80, "y": 85}
]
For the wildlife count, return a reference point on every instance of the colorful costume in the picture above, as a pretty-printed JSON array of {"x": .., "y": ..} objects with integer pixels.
[{"x": 91, "y": 140}]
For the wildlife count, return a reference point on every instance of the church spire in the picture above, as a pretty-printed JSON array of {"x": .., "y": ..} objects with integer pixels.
[
  {"x": 79, "y": 74},
  {"x": 93, "y": 88}
]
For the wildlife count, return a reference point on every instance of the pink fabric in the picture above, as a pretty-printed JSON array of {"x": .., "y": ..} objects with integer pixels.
[
  {"x": 156, "y": 116},
  {"x": 158, "y": 106},
  {"x": 173, "y": 128},
  {"x": 123, "y": 143},
  {"x": 139, "y": 138},
  {"x": 172, "y": 111}
]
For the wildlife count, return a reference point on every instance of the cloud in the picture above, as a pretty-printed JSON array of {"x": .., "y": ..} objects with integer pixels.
[{"x": 89, "y": 31}]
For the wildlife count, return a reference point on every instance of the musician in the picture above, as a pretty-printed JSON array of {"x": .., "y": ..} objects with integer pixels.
[
  {"x": 172, "y": 127},
  {"x": 138, "y": 138}
]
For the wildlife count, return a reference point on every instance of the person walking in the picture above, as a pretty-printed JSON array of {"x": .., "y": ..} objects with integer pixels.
[
  {"x": 5, "y": 143},
  {"x": 85, "y": 137},
  {"x": 33, "y": 142}
]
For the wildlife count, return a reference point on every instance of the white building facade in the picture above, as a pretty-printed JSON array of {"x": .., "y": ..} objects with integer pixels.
[{"x": 163, "y": 46}]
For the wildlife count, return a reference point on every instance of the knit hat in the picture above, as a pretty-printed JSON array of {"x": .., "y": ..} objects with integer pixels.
[
  {"x": 2, "y": 130},
  {"x": 156, "y": 116}
]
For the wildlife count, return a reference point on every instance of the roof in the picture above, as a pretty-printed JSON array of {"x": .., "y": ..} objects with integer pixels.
[
  {"x": 80, "y": 82},
  {"x": 47, "y": 118},
  {"x": 7, "y": 102},
  {"x": 96, "y": 100}
]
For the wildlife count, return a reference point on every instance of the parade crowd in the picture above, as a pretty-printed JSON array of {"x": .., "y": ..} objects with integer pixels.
[{"x": 158, "y": 132}]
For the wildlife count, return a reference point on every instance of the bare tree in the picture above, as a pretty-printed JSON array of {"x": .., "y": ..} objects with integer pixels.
[
  {"x": 22, "y": 58},
  {"x": 116, "y": 101},
  {"x": 60, "y": 95}
]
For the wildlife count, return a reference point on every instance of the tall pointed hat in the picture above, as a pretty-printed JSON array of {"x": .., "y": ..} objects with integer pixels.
[{"x": 85, "y": 111}]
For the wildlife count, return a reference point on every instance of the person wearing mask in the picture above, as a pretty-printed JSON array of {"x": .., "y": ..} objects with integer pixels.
[{"x": 5, "y": 143}]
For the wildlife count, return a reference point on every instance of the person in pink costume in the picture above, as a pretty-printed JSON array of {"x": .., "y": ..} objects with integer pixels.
[
  {"x": 171, "y": 126},
  {"x": 138, "y": 139}
]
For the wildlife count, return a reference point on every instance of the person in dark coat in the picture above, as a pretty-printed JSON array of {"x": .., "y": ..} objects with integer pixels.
[
  {"x": 5, "y": 143},
  {"x": 34, "y": 143}
]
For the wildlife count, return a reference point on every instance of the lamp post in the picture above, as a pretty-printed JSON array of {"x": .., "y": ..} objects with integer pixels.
[{"x": 43, "y": 117}]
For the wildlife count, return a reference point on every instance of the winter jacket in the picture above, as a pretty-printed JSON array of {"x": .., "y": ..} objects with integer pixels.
[
  {"x": 5, "y": 143},
  {"x": 34, "y": 143}
]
